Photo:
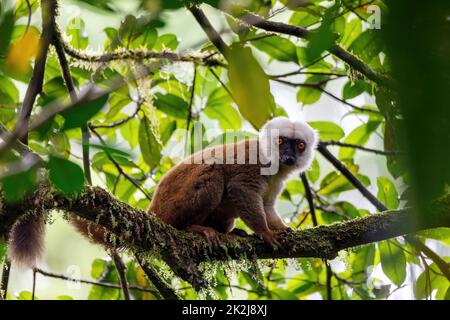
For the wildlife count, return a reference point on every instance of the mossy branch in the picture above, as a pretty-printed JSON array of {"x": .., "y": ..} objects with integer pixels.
[{"x": 133, "y": 228}]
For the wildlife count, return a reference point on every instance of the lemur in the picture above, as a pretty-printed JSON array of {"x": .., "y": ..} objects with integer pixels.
[{"x": 206, "y": 192}]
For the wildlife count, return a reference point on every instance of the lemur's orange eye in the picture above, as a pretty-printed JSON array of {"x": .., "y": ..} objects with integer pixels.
[
  {"x": 301, "y": 146},
  {"x": 280, "y": 141}
]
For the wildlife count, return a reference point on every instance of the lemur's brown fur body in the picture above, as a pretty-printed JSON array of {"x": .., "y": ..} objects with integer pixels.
[{"x": 207, "y": 197}]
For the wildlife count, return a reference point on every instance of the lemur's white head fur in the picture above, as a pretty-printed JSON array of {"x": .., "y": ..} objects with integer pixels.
[{"x": 281, "y": 127}]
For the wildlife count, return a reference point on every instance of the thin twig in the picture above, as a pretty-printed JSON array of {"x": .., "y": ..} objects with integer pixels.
[
  {"x": 355, "y": 146},
  {"x": 30, "y": 13},
  {"x": 33, "y": 290},
  {"x": 95, "y": 283},
  {"x": 117, "y": 165},
  {"x": 74, "y": 97},
  {"x": 318, "y": 86},
  {"x": 300, "y": 72},
  {"x": 309, "y": 197},
  {"x": 121, "y": 268},
  {"x": 121, "y": 121},
  {"x": 191, "y": 99}
]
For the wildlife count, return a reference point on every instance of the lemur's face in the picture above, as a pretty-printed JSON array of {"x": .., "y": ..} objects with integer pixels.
[
  {"x": 290, "y": 150},
  {"x": 289, "y": 143}
]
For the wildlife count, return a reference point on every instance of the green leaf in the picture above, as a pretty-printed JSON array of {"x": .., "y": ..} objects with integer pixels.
[
  {"x": 82, "y": 111},
  {"x": 105, "y": 271},
  {"x": 26, "y": 295},
  {"x": 3, "y": 249},
  {"x": 429, "y": 281},
  {"x": 168, "y": 127},
  {"x": 309, "y": 95},
  {"x": 352, "y": 30},
  {"x": 9, "y": 94},
  {"x": 17, "y": 186},
  {"x": 66, "y": 175},
  {"x": 171, "y": 105},
  {"x": 367, "y": 45},
  {"x": 319, "y": 65},
  {"x": 149, "y": 144},
  {"x": 324, "y": 37},
  {"x": 327, "y": 130},
  {"x": 295, "y": 187},
  {"x": 441, "y": 234},
  {"x": 303, "y": 19},
  {"x": 358, "y": 136},
  {"x": 129, "y": 131},
  {"x": 302, "y": 285},
  {"x": 6, "y": 26},
  {"x": 363, "y": 259},
  {"x": 387, "y": 193},
  {"x": 278, "y": 48},
  {"x": 447, "y": 294},
  {"x": 250, "y": 86},
  {"x": 282, "y": 294},
  {"x": 77, "y": 32},
  {"x": 314, "y": 172},
  {"x": 134, "y": 33},
  {"x": 335, "y": 183},
  {"x": 354, "y": 89},
  {"x": 393, "y": 261},
  {"x": 166, "y": 41},
  {"x": 218, "y": 106},
  {"x": 111, "y": 150},
  {"x": 21, "y": 9},
  {"x": 101, "y": 158},
  {"x": 98, "y": 268}
]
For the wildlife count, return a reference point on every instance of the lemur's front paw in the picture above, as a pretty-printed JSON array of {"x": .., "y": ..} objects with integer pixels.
[{"x": 287, "y": 230}]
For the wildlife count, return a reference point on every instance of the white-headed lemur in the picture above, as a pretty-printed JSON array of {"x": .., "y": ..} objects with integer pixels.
[{"x": 206, "y": 192}]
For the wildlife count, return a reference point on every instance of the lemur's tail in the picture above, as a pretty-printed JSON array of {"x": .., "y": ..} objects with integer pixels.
[
  {"x": 27, "y": 241},
  {"x": 93, "y": 232}
]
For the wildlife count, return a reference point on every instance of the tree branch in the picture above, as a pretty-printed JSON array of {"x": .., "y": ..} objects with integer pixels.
[
  {"x": 303, "y": 33},
  {"x": 212, "y": 34},
  {"x": 163, "y": 288},
  {"x": 132, "y": 228},
  {"x": 35, "y": 86},
  {"x": 136, "y": 54}
]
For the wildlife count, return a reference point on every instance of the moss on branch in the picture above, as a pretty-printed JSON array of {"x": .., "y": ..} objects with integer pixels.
[{"x": 182, "y": 251}]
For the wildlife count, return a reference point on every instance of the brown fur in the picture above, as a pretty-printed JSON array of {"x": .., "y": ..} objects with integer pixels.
[
  {"x": 27, "y": 241},
  {"x": 92, "y": 231},
  {"x": 201, "y": 197}
]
